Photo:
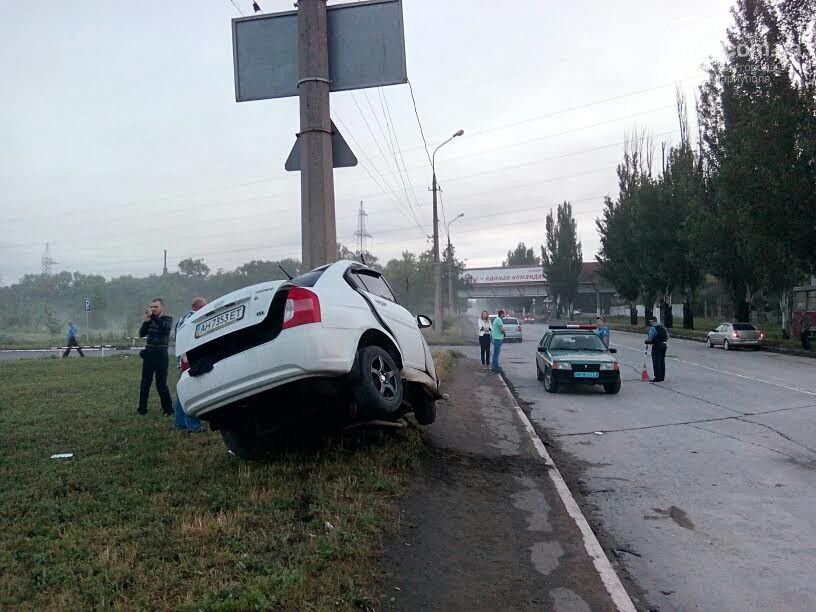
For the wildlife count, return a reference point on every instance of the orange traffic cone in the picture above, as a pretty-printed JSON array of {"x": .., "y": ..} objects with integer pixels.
[{"x": 645, "y": 374}]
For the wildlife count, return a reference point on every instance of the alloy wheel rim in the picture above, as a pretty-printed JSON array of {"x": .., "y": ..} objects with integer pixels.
[{"x": 384, "y": 378}]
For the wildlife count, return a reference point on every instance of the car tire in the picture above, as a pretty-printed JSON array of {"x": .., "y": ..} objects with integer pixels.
[
  {"x": 612, "y": 388},
  {"x": 378, "y": 391},
  {"x": 550, "y": 386},
  {"x": 539, "y": 374},
  {"x": 726, "y": 346},
  {"x": 710, "y": 343},
  {"x": 424, "y": 409},
  {"x": 246, "y": 443}
]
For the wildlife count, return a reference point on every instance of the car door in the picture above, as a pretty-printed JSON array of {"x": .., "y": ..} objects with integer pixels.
[
  {"x": 402, "y": 323},
  {"x": 724, "y": 332},
  {"x": 716, "y": 334}
]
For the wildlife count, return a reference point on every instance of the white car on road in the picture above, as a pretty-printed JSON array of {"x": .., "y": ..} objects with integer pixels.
[{"x": 333, "y": 341}]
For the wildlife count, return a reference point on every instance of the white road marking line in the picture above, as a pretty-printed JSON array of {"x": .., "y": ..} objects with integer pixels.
[
  {"x": 610, "y": 579},
  {"x": 753, "y": 378}
]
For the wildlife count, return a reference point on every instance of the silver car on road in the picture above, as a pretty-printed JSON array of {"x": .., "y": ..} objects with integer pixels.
[
  {"x": 733, "y": 335},
  {"x": 512, "y": 328}
]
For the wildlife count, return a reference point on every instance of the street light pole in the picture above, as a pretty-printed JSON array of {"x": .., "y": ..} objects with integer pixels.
[
  {"x": 437, "y": 271},
  {"x": 450, "y": 263}
]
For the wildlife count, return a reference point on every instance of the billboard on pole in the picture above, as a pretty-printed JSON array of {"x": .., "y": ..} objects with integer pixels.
[{"x": 366, "y": 49}]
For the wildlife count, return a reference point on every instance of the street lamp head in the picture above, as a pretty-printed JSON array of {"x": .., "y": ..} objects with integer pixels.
[
  {"x": 459, "y": 133},
  {"x": 460, "y": 215}
]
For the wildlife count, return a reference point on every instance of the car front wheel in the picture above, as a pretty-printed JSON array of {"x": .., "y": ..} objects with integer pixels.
[
  {"x": 613, "y": 388},
  {"x": 378, "y": 392},
  {"x": 425, "y": 410},
  {"x": 710, "y": 343},
  {"x": 550, "y": 386}
]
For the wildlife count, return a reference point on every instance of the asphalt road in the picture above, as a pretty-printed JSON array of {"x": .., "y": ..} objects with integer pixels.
[
  {"x": 9, "y": 355},
  {"x": 706, "y": 482}
]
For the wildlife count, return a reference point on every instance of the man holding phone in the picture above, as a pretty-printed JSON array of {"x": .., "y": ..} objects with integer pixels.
[{"x": 155, "y": 360}]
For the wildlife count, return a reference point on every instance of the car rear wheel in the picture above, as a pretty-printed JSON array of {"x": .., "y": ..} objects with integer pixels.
[
  {"x": 726, "y": 346},
  {"x": 613, "y": 388},
  {"x": 539, "y": 373},
  {"x": 246, "y": 443},
  {"x": 550, "y": 386},
  {"x": 378, "y": 392}
]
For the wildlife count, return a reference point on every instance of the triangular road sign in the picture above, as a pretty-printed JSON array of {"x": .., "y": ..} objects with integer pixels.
[{"x": 342, "y": 155}]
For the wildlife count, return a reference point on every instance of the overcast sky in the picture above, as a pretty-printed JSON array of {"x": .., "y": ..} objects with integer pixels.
[{"x": 121, "y": 135}]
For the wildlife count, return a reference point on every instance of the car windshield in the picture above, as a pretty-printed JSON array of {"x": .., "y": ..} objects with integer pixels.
[
  {"x": 744, "y": 327},
  {"x": 576, "y": 342}
]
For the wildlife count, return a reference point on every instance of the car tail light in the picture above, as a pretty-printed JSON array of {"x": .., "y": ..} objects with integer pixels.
[
  {"x": 302, "y": 306},
  {"x": 736, "y": 334}
]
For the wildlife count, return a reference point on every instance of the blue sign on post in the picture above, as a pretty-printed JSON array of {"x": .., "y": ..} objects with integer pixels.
[{"x": 87, "y": 304}]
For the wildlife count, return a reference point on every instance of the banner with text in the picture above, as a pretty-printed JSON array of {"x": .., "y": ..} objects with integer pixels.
[{"x": 505, "y": 276}]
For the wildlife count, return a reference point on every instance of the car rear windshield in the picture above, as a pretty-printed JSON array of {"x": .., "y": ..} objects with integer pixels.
[
  {"x": 309, "y": 278},
  {"x": 744, "y": 327},
  {"x": 510, "y": 321}
]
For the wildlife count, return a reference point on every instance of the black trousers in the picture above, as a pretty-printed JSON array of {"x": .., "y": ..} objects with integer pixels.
[
  {"x": 659, "y": 360},
  {"x": 155, "y": 362},
  {"x": 72, "y": 342},
  {"x": 484, "y": 344}
]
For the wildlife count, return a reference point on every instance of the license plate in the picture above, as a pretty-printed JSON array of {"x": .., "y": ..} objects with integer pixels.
[
  {"x": 586, "y": 375},
  {"x": 217, "y": 322}
]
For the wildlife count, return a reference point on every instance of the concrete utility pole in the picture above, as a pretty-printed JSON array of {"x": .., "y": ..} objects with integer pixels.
[
  {"x": 318, "y": 231},
  {"x": 451, "y": 301},
  {"x": 437, "y": 271}
]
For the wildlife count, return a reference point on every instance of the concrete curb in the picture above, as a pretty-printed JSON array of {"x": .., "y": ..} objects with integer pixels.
[{"x": 606, "y": 572}]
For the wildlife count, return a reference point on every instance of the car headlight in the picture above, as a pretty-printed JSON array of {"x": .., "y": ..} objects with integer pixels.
[
  {"x": 606, "y": 367},
  {"x": 561, "y": 365}
]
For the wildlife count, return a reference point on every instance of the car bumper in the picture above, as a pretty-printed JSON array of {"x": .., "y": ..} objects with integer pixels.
[
  {"x": 295, "y": 354},
  {"x": 567, "y": 377},
  {"x": 745, "y": 342},
  {"x": 512, "y": 336}
]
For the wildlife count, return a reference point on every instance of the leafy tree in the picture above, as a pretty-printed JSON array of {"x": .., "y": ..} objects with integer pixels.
[
  {"x": 561, "y": 256},
  {"x": 193, "y": 267},
  {"x": 521, "y": 256}
]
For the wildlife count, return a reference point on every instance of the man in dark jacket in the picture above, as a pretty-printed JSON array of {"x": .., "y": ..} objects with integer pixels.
[
  {"x": 157, "y": 327},
  {"x": 657, "y": 337}
]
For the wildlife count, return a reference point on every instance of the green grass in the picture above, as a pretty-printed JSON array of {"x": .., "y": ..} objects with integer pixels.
[
  {"x": 445, "y": 361},
  {"x": 144, "y": 517}
]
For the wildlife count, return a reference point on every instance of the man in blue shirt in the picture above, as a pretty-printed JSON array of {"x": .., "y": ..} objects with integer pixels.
[
  {"x": 497, "y": 333},
  {"x": 73, "y": 330},
  {"x": 602, "y": 330},
  {"x": 184, "y": 421},
  {"x": 657, "y": 337}
]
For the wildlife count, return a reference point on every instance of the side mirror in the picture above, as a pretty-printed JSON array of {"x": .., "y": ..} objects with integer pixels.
[
  {"x": 613, "y": 350},
  {"x": 714, "y": 330},
  {"x": 424, "y": 321},
  {"x": 541, "y": 349}
]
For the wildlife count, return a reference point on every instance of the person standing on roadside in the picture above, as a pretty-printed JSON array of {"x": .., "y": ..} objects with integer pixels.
[
  {"x": 73, "y": 330},
  {"x": 657, "y": 337},
  {"x": 155, "y": 360},
  {"x": 602, "y": 330},
  {"x": 497, "y": 334},
  {"x": 183, "y": 421},
  {"x": 484, "y": 338}
]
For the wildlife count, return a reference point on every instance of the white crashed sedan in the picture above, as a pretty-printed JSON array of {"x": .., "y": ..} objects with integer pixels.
[{"x": 333, "y": 341}]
